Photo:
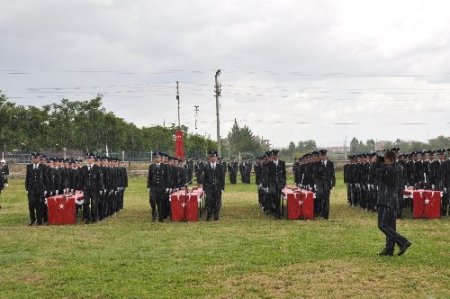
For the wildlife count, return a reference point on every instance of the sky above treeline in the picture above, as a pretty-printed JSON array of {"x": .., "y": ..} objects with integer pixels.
[{"x": 291, "y": 70}]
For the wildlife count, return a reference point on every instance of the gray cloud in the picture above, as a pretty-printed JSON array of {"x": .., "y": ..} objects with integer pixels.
[{"x": 292, "y": 70}]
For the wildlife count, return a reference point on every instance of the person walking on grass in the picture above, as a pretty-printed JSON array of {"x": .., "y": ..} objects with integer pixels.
[{"x": 388, "y": 204}]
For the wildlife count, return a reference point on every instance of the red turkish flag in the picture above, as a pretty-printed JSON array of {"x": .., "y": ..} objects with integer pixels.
[{"x": 179, "y": 145}]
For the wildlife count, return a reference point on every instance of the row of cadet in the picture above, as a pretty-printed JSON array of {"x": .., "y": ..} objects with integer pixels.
[
  {"x": 101, "y": 179},
  {"x": 418, "y": 170},
  {"x": 164, "y": 178},
  {"x": 233, "y": 167},
  {"x": 315, "y": 172}
]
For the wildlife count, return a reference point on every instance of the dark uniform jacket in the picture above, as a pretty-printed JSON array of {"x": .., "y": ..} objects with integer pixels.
[
  {"x": 158, "y": 176},
  {"x": 35, "y": 179},
  {"x": 214, "y": 179},
  {"x": 388, "y": 185}
]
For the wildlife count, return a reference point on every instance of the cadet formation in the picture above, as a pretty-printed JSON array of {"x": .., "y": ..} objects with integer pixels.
[
  {"x": 103, "y": 181},
  {"x": 270, "y": 178},
  {"x": 418, "y": 170},
  {"x": 167, "y": 174},
  {"x": 314, "y": 172}
]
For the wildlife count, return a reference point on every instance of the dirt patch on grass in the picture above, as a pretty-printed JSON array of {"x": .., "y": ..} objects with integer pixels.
[
  {"x": 339, "y": 279},
  {"x": 32, "y": 279}
]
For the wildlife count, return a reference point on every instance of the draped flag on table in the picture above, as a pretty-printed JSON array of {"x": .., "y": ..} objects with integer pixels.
[{"x": 179, "y": 145}]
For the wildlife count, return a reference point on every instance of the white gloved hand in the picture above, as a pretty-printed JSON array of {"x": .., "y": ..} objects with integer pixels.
[
  {"x": 45, "y": 193},
  {"x": 148, "y": 189},
  {"x": 432, "y": 186},
  {"x": 26, "y": 192},
  {"x": 57, "y": 192},
  {"x": 167, "y": 190},
  {"x": 101, "y": 192}
]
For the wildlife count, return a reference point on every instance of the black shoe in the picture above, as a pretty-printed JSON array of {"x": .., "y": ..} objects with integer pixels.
[
  {"x": 160, "y": 219},
  {"x": 153, "y": 218},
  {"x": 386, "y": 252},
  {"x": 216, "y": 217},
  {"x": 31, "y": 222},
  {"x": 404, "y": 248},
  {"x": 86, "y": 221}
]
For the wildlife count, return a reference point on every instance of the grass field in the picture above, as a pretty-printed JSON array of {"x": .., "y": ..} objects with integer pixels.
[{"x": 245, "y": 254}]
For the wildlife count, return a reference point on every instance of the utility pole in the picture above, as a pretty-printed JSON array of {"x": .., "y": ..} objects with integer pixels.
[
  {"x": 178, "y": 100},
  {"x": 218, "y": 93},
  {"x": 196, "y": 114}
]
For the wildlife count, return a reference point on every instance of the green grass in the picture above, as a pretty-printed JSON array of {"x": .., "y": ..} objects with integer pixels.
[{"x": 245, "y": 254}]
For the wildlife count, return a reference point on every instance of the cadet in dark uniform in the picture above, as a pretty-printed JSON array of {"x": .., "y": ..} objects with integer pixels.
[
  {"x": 123, "y": 183},
  {"x": 158, "y": 186},
  {"x": 190, "y": 169},
  {"x": 445, "y": 182},
  {"x": 198, "y": 169},
  {"x": 92, "y": 185},
  {"x": 2, "y": 183},
  {"x": 276, "y": 181},
  {"x": 388, "y": 205},
  {"x": 4, "y": 169},
  {"x": 34, "y": 186},
  {"x": 233, "y": 168},
  {"x": 325, "y": 180},
  {"x": 214, "y": 185}
]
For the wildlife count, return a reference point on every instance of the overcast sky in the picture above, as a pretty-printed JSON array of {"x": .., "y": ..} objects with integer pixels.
[{"x": 291, "y": 70}]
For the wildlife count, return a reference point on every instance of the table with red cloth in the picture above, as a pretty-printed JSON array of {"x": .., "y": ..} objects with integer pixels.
[
  {"x": 299, "y": 203},
  {"x": 426, "y": 203},
  {"x": 62, "y": 209},
  {"x": 186, "y": 205}
]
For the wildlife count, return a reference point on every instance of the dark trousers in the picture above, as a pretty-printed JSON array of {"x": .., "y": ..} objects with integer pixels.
[
  {"x": 275, "y": 201},
  {"x": 157, "y": 201},
  {"x": 364, "y": 194},
  {"x": 121, "y": 195},
  {"x": 102, "y": 206},
  {"x": 35, "y": 202},
  {"x": 90, "y": 205},
  {"x": 233, "y": 177},
  {"x": 213, "y": 203},
  {"x": 387, "y": 223},
  {"x": 349, "y": 193},
  {"x": 445, "y": 204},
  {"x": 326, "y": 204}
]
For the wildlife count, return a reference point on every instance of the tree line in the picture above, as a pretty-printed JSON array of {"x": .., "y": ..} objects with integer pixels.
[{"x": 87, "y": 126}]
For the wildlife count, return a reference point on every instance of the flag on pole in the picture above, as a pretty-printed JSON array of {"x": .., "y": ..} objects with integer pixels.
[{"x": 179, "y": 145}]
